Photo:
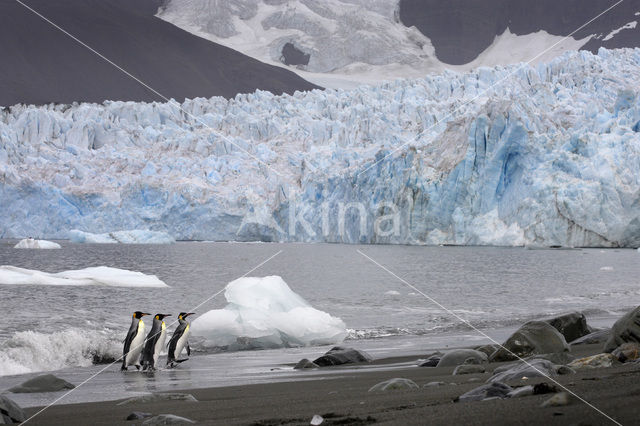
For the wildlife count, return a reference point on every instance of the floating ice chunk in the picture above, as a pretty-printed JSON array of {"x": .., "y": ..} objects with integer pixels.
[
  {"x": 137, "y": 236},
  {"x": 392, "y": 293},
  {"x": 30, "y": 243},
  {"x": 607, "y": 268},
  {"x": 266, "y": 313},
  {"x": 100, "y": 275}
]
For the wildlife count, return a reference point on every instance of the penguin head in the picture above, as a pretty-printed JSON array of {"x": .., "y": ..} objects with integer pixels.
[
  {"x": 139, "y": 314},
  {"x": 160, "y": 317},
  {"x": 184, "y": 315}
]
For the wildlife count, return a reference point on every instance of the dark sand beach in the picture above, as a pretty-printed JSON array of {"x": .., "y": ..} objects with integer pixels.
[{"x": 345, "y": 399}]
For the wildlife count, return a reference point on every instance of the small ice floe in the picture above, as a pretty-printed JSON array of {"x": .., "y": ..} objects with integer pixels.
[
  {"x": 100, "y": 275},
  {"x": 607, "y": 268},
  {"x": 392, "y": 293},
  {"x": 136, "y": 236},
  {"x": 30, "y": 243}
]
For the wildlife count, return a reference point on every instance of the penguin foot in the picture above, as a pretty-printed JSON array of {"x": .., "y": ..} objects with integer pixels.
[
  {"x": 137, "y": 367},
  {"x": 123, "y": 368}
]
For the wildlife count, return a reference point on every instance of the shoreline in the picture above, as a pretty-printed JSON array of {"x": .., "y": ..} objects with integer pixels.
[{"x": 343, "y": 398}]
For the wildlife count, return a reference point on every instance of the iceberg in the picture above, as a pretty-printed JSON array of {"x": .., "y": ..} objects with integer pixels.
[
  {"x": 30, "y": 243},
  {"x": 100, "y": 275},
  {"x": 123, "y": 237},
  {"x": 266, "y": 313},
  {"x": 519, "y": 155}
]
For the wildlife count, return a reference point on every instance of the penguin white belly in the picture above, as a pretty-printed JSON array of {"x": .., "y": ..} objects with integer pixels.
[
  {"x": 182, "y": 342},
  {"x": 159, "y": 344},
  {"x": 136, "y": 347}
]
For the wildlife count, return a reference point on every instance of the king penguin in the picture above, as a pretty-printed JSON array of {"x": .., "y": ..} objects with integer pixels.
[
  {"x": 154, "y": 342},
  {"x": 179, "y": 340},
  {"x": 134, "y": 341}
]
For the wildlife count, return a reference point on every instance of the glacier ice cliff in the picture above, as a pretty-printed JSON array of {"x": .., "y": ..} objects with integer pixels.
[{"x": 515, "y": 155}]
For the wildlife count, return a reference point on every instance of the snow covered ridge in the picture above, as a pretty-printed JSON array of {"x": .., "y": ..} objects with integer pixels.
[{"x": 551, "y": 156}]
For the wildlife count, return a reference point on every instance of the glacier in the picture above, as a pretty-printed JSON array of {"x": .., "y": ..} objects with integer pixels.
[
  {"x": 263, "y": 312},
  {"x": 136, "y": 236},
  {"x": 539, "y": 155}
]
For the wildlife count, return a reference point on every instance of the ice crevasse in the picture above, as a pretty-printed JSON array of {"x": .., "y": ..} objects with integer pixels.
[{"x": 514, "y": 155}]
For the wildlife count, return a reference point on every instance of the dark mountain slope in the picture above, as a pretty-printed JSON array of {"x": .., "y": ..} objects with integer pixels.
[
  {"x": 461, "y": 29},
  {"x": 39, "y": 64}
]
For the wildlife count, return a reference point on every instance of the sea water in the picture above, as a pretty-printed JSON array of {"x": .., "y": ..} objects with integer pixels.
[{"x": 68, "y": 329}]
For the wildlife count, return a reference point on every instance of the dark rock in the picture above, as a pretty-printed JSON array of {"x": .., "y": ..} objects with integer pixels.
[
  {"x": 168, "y": 419},
  {"x": 626, "y": 329},
  {"x": 157, "y": 397},
  {"x": 488, "y": 349},
  {"x": 529, "y": 369},
  {"x": 543, "y": 388},
  {"x": 627, "y": 352},
  {"x": 432, "y": 361},
  {"x": 10, "y": 412},
  {"x": 138, "y": 415},
  {"x": 460, "y": 356},
  {"x": 534, "y": 337},
  {"x": 394, "y": 384},
  {"x": 488, "y": 391},
  {"x": 560, "y": 358},
  {"x": 468, "y": 369},
  {"x": 339, "y": 356},
  {"x": 44, "y": 383},
  {"x": 572, "y": 326},
  {"x": 304, "y": 363},
  {"x": 598, "y": 336}
]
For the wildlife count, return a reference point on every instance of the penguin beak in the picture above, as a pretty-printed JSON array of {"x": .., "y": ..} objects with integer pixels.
[
  {"x": 186, "y": 315},
  {"x": 144, "y": 313}
]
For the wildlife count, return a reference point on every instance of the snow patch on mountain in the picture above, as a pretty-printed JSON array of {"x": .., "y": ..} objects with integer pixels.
[{"x": 347, "y": 42}]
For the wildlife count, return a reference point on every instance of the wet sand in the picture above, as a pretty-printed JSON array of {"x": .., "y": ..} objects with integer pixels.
[{"x": 344, "y": 399}]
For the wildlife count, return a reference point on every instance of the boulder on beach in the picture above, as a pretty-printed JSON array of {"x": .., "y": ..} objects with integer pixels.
[
  {"x": 304, "y": 364},
  {"x": 10, "y": 412},
  {"x": 394, "y": 384},
  {"x": 156, "y": 397},
  {"x": 167, "y": 419},
  {"x": 138, "y": 415},
  {"x": 529, "y": 369},
  {"x": 468, "y": 369},
  {"x": 559, "y": 358},
  {"x": 461, "y": 356},
  {"x": 594, "y": 361},
  {"x": 534, "y": 337},
  {"x": 488, "y": 349},
  {"x": 432, "y": 361},
  {"x": 484, "y": 392},
  {"x": 43, "y": 383},
  {"x": 598, "y": 336},
  {"x": 339, "y": 355},
  {"x": 627, "y": 352},
  {"x": 572, "y": 326},
  {"x": 626, "y": 329}
]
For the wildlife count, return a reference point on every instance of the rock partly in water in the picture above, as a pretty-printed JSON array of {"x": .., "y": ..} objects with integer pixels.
[
  {"x": 534, "y": 337},
  {"x": 156, "y": 397},
  {"x": 460, "y": 356},
  {"x": 10, "y": 412},
  {"x": 488, "y": 349},
  {"x": 394, "y": 384},
  {"x": 626, "y": 329},
  {"x": 529, "y": 369},
  {"x": 627, "y": 352},
  {"x": 138, "y": 415},
  {"x": 167, "y": 419},
  {"x": 43, "y": 383},
  {"x": 468, "y": 369},
  {"x": 484, "y": 392},
  {"x": 572, "y": 326},
  {"x": 339, "y": 355},
  {"x": 594, "y": 361},
  {"x": 432, "y": 361},
  {"x": 304, "y": 364},
  {"x": 598, "y": 336},
  {"x": 558, "y": 400}
]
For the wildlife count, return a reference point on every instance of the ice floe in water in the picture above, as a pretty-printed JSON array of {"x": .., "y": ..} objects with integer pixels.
[
  {"x": 266, "y": 313},
  {"x": 30, "y": 243},
  {"x": 100, "y": 275},
  {"x": 136, "y": 236}
]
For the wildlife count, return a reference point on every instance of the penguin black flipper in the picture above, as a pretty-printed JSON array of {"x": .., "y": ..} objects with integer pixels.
[
  {"x": 188, "y": 350},
  {"x": 171, "y": 356}
]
